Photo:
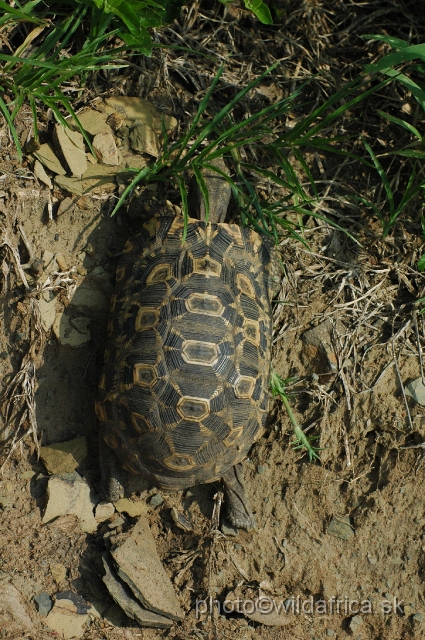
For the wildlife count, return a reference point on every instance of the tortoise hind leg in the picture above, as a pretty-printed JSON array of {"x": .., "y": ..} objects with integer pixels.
[
  {"x": 238, "y": 506},
  {"x": 112, "y": 477}
]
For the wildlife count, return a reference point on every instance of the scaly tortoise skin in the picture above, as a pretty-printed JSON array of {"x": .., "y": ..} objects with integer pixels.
[{"x": 184, "y": 390}]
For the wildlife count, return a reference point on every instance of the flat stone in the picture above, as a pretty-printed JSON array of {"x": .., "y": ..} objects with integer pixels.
[
  {"x": 72, "y": 185},
  {"x": 106, "y": 149},
  {"x": 123, "y": 596},
  {"x": 416, "y": 390},
  {"x": 67, "y": 333},
  {"x": 262, "y": 468},
  {"x": 13, "y": 615},
  {"x": 88, "y": 298},
  {"x": 69, "y": 494},
  {"x": 47, "y": 156},
  {"x": 65, "y": 619},
  {"x": 146, "y": 121},
  {"x": 340, "y": 528},
  {"x": 6, "y": 502},
  {"x": 44, "y": 603},
  {"x": 104, "y": 511},
  {"x": 47, "y": 307},
  {"x": 100, "y": 178},
  {"x": 134, "y": 161},
  {"x": 228, "y": 529},
  {"x": 71, "y": 144},
  {"x": 139, "y": 565},
  {"x": 355, "y": 623},
  {"x": 133, "y": 509},
  {"x": 94, "y": 122},
  {"x": 40, "y": 173},
  {"x": 319, "y": 346}
]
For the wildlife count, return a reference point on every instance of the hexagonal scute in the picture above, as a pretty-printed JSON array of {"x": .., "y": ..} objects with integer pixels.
[
  {"x": 206, "y": 266},
  {"x": 179, "y": 462},
  {"x": 251, "y": 331},
  {"x": 146, "y": 318},
  {"x": 244, "y": 387},
  {"x": 193, "y": 408},
  {"x": 245, "y": 285},
  {"x": 204, "y": 303},
  {"x": 196, "y": 352},
  {"x": 160, "y": 273},
  {"x": 144, "y": 375}
]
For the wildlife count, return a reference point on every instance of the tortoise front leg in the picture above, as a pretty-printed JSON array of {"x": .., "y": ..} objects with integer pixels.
[
  {"x": 112, "y": 477},
  {"x": 238, "y": 506}
]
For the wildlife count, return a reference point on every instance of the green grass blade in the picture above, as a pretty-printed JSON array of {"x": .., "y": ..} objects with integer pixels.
[
  {"x": 402, "y": 123},
  {"x": 382, "y": 175},
  {"x": 5, "y": 111}
]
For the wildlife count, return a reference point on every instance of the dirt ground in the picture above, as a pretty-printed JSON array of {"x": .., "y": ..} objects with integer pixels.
[{"x": 370, "y": 476}]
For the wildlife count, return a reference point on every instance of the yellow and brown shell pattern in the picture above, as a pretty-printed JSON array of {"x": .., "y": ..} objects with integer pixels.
[{"x": 184, "y": 391}]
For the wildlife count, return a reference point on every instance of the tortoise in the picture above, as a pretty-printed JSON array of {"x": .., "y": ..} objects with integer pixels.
[{"x": 184, "y": 389}]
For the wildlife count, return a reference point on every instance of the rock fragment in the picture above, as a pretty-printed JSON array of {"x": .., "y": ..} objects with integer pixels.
[
  {"x": 64, "y": 457},
  {"x": 340, "y": 528},
  {"x": 94, "y": 122},
  {"x": 47, "y": 156},
  {"x": 88, "y": 298},
  {"x": 104, "y": 511},
  {"x": 68, "y": 616},
  {"x": 144, "y": 119},
  {"x": 133, "y": 509},
  {"x": 13, "y": 616},
  {"x": 123, "y": 596},
  {"x": 71, "y": 145},
  {"x": 72, "y": 333},
  {"x": 40, "y": 173},
  {"x": 44, "y": 603},
  {"x": 139, "y": 565},
  {"x": 355, "y": 623},
  {"x": 69, "y": 494},
  {"x": 58, "y": 572},
  {"x": 106, "y": 149},
  {"x": 416, "y": 390},
  {"x": 47, "y": 307},
  {"x": 100, "y": 178},
  {"x": 72, "y": 185}
]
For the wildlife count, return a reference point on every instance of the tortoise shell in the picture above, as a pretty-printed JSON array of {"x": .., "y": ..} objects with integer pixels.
[{"x": 184, "y": 390}]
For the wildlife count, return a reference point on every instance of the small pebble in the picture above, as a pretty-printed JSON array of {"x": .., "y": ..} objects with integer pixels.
[
  {"x": 262, "y": 468},
  {"x": 228, "y": 529},
  {"x": 330, "y": 632},
  {"x": 116, "y": 523},
  {"x": 372, "y": 560},
  {"x": 355, "y": 622},
  {"x": 418, "y": 618},
  {"x": 156, "y": 500},
  {"x": 44, "y": 603}
]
